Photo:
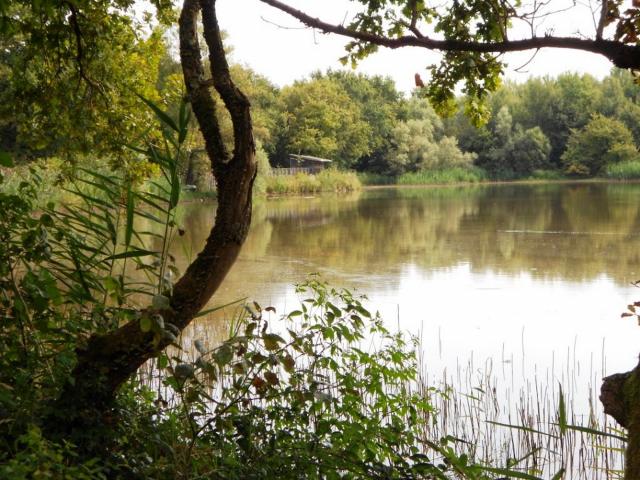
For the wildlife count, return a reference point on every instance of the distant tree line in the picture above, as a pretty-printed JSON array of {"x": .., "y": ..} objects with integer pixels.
[{"x": 572, "y": 124}]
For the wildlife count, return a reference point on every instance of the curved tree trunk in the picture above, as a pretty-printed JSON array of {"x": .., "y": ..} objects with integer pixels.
[
  {"x": 620, "y": 396},
  {"x": 109, "y": 360}
]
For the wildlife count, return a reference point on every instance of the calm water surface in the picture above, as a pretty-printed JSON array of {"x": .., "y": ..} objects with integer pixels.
[{"x": 524, "y": 280}]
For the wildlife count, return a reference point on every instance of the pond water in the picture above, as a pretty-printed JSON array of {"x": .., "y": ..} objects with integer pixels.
[{"x": 527, "y": 280}]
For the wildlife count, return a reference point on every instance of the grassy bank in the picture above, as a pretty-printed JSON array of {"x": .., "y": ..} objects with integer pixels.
[
  {"x": 43, "y": 176},
  {"x": 50, "y": 189},
  {"x": 453, "y": 176},
  {"x": 428, "y": 177},
  {"x": 623, "y": 171},
  {"x": 326, "y": 181},
  {"x": 446, "y": 176}
]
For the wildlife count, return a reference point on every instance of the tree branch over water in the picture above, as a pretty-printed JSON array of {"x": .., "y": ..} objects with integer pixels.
[
  {"x": 620, "y": 54},
  {"x": 471, "y": 34}
]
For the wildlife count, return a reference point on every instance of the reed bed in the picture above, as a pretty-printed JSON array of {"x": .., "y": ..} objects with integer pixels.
[
  {"x": 501, "y": 419},
  {"x": 445, "y": 176},
  {"x": 497, "y": 416},
  {"x": 629, "y": 170},
  {"x": 330, "y": 180}
]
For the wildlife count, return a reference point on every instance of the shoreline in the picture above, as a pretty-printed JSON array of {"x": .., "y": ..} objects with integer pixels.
[
  {"x": 502, "y": 182},
  {"x": 484, "y": 183}
]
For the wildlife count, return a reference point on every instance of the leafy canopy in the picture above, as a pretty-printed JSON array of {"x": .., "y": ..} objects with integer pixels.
[
  {"x": 70, "y": 72},
  {"x": 321, "y": 119},
  {"x": 464, "y": 21}
]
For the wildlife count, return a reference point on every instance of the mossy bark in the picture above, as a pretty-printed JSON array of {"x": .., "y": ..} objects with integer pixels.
[{"x": 620, "y": 396}]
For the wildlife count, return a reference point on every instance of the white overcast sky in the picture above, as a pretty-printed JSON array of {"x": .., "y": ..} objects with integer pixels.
[{"x": 278, "y": 47}]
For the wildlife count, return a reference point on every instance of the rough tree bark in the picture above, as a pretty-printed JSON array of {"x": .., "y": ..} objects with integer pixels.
[
  {"x": 620, "y": 396},
  {"x": 108, "y": 360}
]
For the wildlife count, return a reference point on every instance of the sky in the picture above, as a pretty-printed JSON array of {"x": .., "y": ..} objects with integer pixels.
[{"x": 280, "y": 48}]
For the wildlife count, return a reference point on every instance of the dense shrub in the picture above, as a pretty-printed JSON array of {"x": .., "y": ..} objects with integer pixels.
[{"x": 602, "y": 142}]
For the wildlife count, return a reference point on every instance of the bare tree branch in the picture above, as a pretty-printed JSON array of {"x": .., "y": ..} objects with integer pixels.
[
  {"x": 603, "y": 19},
  {"x": 80, "y": 57}
]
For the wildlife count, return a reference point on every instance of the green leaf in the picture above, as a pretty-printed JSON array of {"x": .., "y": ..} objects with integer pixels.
[
  {"x": 271, "y": 378},
  {"x": 106, "y": 179},
  {"x": 238, "y": 368},
  {"x": 593, "y": 431},
  {"x": 128, "y": 231},
  {"x": 288, "y": 363},
  {"x": 184, "y": 117},
  {"x": 215, "y": 309},
  {"x": 145, "y": 324},
  {"x": 6, "y": 160},
  {"x": 175, "y": 190},
  {"x": 562, "y": 412},
  {"x": 223, "y": 355},
  {"x": 111, "y": 284},
  {"x": 163, "y": 361},
  {"x": 520, "y": 427},
  {"x": 130, "y": 253},
  {"x": 200, "y": 347},
  {"x": 272, "y": 341},
  {"x": 171, "y": 338},
  {"x": 164, "y": 118},
  {"x": 183, "y": 371},
  {"x": 46, "y": 220}
]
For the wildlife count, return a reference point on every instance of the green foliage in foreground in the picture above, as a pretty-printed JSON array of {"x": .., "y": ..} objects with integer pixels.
[
  {"x": 65, "y": 275},
  {"x": 302, "y": 397},
  {"x": 298, "y": 396},
  {"x": 329, "y": 180},
  {"x": 38, "y": 457},
  {"x": 322, "y": 392}
]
